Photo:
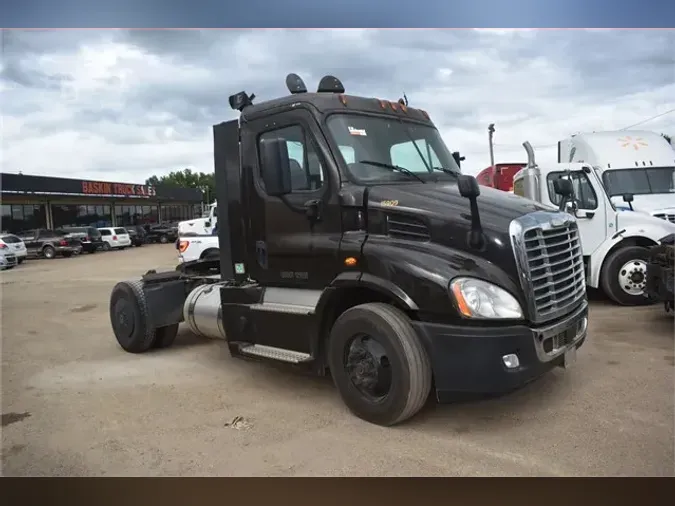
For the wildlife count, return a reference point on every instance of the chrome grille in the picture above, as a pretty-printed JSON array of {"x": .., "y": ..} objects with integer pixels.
[
  {"x": 665, "y": 216},
  {"x": 550, "y": 262}
]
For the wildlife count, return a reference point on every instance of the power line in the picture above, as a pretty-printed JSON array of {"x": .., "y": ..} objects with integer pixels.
[{"x": 646, "y": 120}]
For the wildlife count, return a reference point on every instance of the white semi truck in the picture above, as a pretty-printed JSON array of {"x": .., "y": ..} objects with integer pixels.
[
  {"x": 633, "y": 163},
  {"x": 200, "y": 226},
  {"x": 615, "y": 244}
]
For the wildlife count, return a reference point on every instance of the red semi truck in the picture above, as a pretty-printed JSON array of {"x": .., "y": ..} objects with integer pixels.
[{"x": 499, "y": 176}]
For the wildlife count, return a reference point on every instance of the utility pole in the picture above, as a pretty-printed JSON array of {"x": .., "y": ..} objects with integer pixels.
[{"x": 491, "y": 131}]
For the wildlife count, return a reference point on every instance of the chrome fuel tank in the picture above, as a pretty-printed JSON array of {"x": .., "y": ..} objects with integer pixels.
[{"x": 203, "y": 313}]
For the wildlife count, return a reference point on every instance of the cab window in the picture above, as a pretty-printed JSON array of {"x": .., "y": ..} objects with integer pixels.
[
  {"x": 584, "y": 194},
  {"x": 307, "y": 171}
]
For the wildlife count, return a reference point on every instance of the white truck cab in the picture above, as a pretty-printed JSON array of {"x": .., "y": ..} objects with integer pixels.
[
  {"x": 200, "y": 226},
  {"x": 629, "y": 162},
  {"x": 614, "y": 243}
]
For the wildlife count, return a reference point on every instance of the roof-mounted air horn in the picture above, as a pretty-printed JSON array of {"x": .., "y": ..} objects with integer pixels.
[
  {"x": 295, "y": 84},
  {"x": 330, "y": 84}
]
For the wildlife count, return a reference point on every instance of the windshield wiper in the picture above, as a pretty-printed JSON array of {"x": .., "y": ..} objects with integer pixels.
[
  {"x": 392, "y": 167},
  {"x": 446, "y": 170}
]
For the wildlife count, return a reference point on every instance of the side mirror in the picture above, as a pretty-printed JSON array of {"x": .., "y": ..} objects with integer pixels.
[
  {"x": 468, "y": 186},
  {"x": 458, "y": 158},
  {"x": 564, "y": 188},
  {"x": 275, "y": 167},
  {"x": 628, "y": 199}
]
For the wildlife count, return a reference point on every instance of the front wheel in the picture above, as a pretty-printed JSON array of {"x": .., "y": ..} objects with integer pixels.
[
  {"x": 106, "y": 246},
  {"x": 21, "y": 260},
  {"x": 379, "y": 364},
  {"x": 624, "y": 276},
  {"x": 163, "y": 239}
]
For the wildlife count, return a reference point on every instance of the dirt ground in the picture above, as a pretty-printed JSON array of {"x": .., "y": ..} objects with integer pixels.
[{"x": 74, "y": 404}]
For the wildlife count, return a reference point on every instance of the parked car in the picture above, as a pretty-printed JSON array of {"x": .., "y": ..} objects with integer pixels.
[
  {"x": 12, "y": 244},
  {"x": 8, "y": 259},
  {"x": 115, "y": 238},
  {"x": 44, "y": 243},
  {"x": 137, "y": 234},
  {"x": 89, "y": 237},
  {"x": 161, "y": 233}
]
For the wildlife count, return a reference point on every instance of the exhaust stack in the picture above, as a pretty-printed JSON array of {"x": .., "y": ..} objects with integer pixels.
[{"x": 531, "y": 175}]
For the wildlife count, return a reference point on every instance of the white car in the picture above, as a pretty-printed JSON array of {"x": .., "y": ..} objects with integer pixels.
[
  {"x": 115, "y": 238},
  {"x": 10, "y": 243}
]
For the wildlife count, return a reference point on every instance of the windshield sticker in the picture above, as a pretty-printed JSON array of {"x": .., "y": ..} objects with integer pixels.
[{"x": 357, "y": 131}]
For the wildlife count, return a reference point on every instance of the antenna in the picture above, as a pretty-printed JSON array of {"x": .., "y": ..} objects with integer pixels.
[{"x": 405, "y": 99}]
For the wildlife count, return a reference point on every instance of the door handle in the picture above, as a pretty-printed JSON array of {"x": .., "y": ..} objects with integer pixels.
[{"x": 313, "y": 210}]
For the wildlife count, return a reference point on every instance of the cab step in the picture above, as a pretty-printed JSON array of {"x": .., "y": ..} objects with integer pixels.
[{"x": 260, "y": 350}]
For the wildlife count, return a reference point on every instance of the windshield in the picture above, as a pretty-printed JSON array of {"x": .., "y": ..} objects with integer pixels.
[
  {"x": 639, "y": 181},
  {"x": 416, "y": 148}
]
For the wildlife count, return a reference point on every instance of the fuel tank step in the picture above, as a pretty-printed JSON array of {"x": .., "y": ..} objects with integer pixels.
[
  {"x": 260, "y": 350},
  {"x": 277, "y": 307}
]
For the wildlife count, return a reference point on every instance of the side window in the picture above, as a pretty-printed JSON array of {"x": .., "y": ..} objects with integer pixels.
[
  {"x": 307, "y": 171},
  {"x": 105, "y": 232},
  {"x": 583, "y": 190},
  {"x": 407, "y": 155},
  {"x": 348, "y": 154},
  {"x": 215, "y": 212},
  {"x": 519, "y": 188}
]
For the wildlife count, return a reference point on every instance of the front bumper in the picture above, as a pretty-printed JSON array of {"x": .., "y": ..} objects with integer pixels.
[
  {"x": 8, "y": 261},
  {"x": 469, "y": 359}
]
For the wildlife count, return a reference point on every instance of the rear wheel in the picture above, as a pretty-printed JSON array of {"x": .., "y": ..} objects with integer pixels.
[
  {"x": 106, "y": 246},
  {"x": 163, "y": 239},
  {"x": 129, "y": 317},
  {"x": 378, "y": 364},
  {"x": 624, "y": 276},
  {"x": 210, "y": 254},
  {"x": 48, "y": 252}
]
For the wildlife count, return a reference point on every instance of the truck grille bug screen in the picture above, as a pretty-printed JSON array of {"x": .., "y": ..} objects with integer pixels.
[{"x": 552, "y": 268}]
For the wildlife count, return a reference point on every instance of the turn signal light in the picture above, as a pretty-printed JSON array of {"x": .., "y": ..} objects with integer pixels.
[
  {"x": 350, "y": 261},
  {"x": 183, "y": 245}
]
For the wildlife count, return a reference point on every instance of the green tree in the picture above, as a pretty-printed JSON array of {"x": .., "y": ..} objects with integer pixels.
[{"x": 186, "y": 178}]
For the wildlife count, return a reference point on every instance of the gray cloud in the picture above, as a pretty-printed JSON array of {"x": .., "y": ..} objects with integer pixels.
[{"x": 126, "y": 104}]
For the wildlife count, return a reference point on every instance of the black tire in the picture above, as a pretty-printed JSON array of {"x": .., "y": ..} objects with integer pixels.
[
  {"x": 129, "y": 317},
  {"x": 163, "y": 239},
  {"x": 92, "y": 251},
  {"x": 165, "y": 336},
  {"x": 21, "y": 260},
  {"x": 106, "y": 246},
  {"x": 410, "y": 367},
  {"x": 48, "y": 252},
  {"x": 210, "y": 254},
  {"x": 612, "y": 270}
]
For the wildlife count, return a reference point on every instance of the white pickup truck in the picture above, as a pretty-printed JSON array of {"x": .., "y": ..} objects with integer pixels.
[{"x": 197, "y": 247}]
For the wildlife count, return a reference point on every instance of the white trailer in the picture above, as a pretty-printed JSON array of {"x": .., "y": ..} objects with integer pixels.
[{"x": 615, "y": 244}]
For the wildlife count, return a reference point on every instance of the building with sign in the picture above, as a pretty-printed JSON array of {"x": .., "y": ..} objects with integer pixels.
[{"x": 49, "y": 202}]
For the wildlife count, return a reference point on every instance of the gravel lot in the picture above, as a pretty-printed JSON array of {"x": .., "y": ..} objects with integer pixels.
[{"x": 74, "y": 404}]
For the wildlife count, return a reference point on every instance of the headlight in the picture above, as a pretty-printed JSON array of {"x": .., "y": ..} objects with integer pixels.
[{"x": 479, "y": 299}]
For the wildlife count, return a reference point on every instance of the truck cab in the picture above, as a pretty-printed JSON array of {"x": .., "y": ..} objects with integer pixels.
[
  {"x": 350, "y": 244},
  {"x": 615, "y": 244},
  {"x": 500, "y": 176},
  {"x": 203, "y": 225},
  {"x": 633, "y": 163}
]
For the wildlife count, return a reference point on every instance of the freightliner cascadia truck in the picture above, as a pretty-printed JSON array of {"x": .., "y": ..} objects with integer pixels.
[{"x": 350, "y": 244}]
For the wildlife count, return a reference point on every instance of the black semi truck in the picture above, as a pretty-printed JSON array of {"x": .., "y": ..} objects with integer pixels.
[{"x": 352, "y": 245}]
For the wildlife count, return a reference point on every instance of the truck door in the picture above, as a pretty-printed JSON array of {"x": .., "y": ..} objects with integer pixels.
[
  {"x": 592, "y": 206},
  {"x": 286, "y": 247}
]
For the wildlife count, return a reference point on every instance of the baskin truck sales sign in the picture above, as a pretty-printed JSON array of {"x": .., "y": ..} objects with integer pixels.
[{"x": 127, "y": 190}]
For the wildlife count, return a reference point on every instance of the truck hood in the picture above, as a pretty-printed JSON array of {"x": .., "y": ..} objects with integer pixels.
[
  {"x": 438, "y": 201},
  {"x": 446, "y": 216},
  {"x": 643, "y": 221},
  {"x": 651, "y": 204},
  {"x": 196, "y": 225}
]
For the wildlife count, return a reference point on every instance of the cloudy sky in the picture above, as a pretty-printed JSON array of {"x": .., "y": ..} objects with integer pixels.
[{"x": 123, "y": 105}]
